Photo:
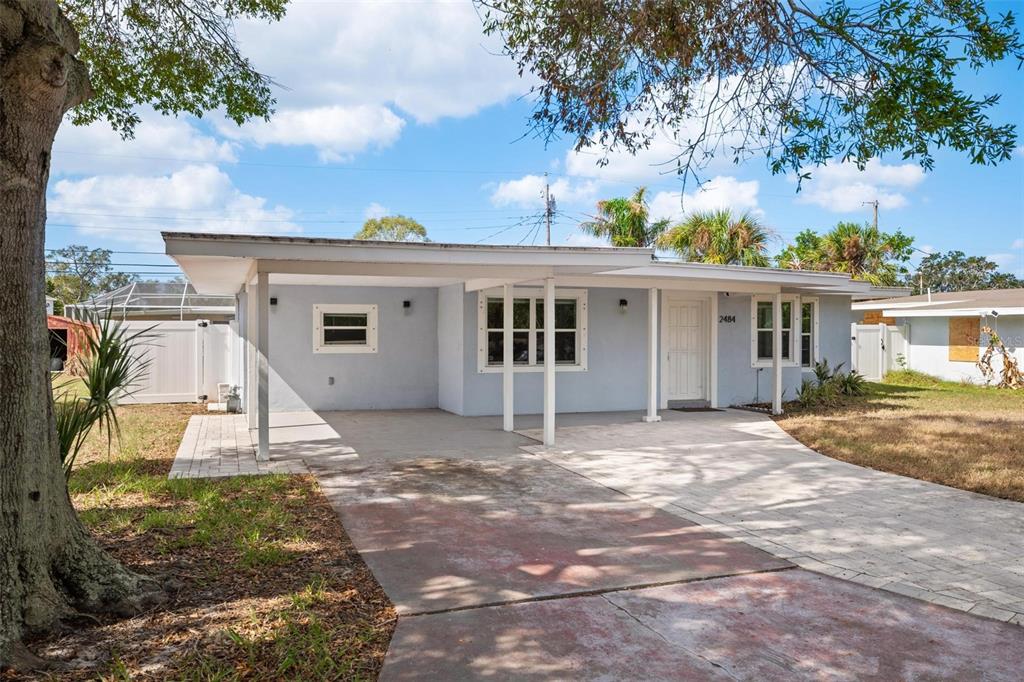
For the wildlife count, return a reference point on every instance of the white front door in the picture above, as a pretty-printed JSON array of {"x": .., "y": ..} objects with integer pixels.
[{"x": 684, "y": 372}]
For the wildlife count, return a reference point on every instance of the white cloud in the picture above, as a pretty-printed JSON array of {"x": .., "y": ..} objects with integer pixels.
[
  {"x": 161, "y": 145},
  {"x": 429, "y": 59},
  {"x": 1003, "y": 260},
  {"x": 134, "y": 208},
  {"x": 844, "y": 188},
  {"x": 528, "y": 192},
  {"x": 375, "y": 210},
  {"x": 722, "y": 191},
  {"x": 337, "y": 132},
  {"x": 1017, "y": 244},
  {"x": 577, "y": 238}
]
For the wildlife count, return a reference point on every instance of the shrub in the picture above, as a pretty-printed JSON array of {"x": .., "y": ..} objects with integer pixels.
[
  {"x": 911, "y": 377},
  {"x": 829, "y": 386},
  {"x": 853, "y": 383},
  {"x": 111, "y": 365}
]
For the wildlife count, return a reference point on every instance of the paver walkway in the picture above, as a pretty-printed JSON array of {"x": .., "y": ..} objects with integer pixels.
[
  {"x": 219, "y": 445},
  {"x": 738, "y": 473}
]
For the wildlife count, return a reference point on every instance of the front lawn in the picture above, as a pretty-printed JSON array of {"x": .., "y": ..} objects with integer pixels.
[
  {"x": 263, "y": 582},
  {"x": 964, "y": 436}
]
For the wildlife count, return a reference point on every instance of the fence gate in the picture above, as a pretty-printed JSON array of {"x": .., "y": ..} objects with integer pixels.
[
  {"x": 187, "y": 359},
  {"x": 874, "y": 349}
]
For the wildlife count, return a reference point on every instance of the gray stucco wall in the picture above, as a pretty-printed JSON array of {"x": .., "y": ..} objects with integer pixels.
[
  {"x": 401, "y": 374},
  {"x": 929, "y": 346},
  {"x": 617, "y": 362},
  {"x": 427, "y": 357},
  {"x": 739, "y": 383},
  {"x": 450, "y": 347}
]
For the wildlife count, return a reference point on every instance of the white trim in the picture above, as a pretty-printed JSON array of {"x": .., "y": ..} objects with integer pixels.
[
  {"x": 532, "y": 293},
  {"x": 549, "y": 356},
  {"x": 777, "y": 363},
  {"x": 794, "y": 329},
  {"x": 320, "y": 309},
  {"x": 815, "y": 329},
  {"x": 652, "y": 357},
  {"x": 507, "y": 360},
  {"x": 713, "y": 347},
  {"x": 952, "y": 312},
  {"x": 262, "y": 367},
  {"x": 705, "y": 306}
]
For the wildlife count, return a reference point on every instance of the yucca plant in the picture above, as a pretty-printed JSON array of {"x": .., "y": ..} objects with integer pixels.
[{"x": 112, "y": 365}]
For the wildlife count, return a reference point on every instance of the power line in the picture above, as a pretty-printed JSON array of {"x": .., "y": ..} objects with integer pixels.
[{"x": 127, "y": 265}]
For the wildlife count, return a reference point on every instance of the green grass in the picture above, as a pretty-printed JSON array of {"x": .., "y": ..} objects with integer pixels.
[
  {"x": 266, "y": 564},
  {"x": 961, "y": 435}
]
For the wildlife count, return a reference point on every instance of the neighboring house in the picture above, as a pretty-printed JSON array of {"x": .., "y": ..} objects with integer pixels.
[
  {"x": 942, "y": 331},
  {"x": 156, "y": 301},
  {"x": 334, "y": 324},
  {"x": 50, "y": 300},
  {"x": 67, "y": 340}
]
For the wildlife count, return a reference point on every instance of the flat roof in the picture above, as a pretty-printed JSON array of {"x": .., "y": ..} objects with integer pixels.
[
  {"x": 223, "y": 263},
  {"x": 333, "y": 241}
]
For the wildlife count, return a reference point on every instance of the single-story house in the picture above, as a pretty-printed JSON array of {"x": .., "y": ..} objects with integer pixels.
[
  {"x": 337, "y": 324},
  {"x": 942, "y": 331}
]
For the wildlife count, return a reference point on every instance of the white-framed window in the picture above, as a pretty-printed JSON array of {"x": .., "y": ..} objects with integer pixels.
[
  {"x": 799, "y": 331},
  {"x": 344, "y": 328},
  {"x": 808, "y": 331},
  {"x": 528, "y": 330}
]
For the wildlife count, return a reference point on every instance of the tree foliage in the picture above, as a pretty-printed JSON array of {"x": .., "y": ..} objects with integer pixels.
[
  {"x": 954, "y": 271},
  {"x": 801, "y": 83},
  {"x": 719, "y": 237},
  {"x": 625, "y": 221},
  {"x": 393, "y": 228},
  {"x": 178, "y": 56},
  {"x": 78, "y": 272},
  {"x": 862, "y": 251}
]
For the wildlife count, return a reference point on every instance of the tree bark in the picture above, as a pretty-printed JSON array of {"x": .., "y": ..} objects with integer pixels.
[{"x": 50, "y": 566}]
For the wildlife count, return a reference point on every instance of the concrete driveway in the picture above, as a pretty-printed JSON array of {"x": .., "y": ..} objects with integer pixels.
[{"x": 512, "y": 565}]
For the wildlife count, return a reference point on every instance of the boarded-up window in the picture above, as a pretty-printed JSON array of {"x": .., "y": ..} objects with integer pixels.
[
  {"x": 875, "y": 317},
  {"x": 964, "y": 334}
]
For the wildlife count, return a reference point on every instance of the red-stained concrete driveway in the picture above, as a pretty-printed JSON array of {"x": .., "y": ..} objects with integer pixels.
[{"x": 508, "y": 566}]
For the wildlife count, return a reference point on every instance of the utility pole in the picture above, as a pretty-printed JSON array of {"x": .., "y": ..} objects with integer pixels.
[
  {"x": 549, "y": 207},
  {"x": 873, "y": 204}
]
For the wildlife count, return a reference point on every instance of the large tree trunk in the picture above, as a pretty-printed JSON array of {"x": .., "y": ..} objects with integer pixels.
[{"x": 49, "y": 565}]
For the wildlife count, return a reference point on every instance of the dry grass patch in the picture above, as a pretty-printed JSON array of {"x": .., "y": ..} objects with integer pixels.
[
  {"x": 964, "y": 436},
  {"x": 263, "y": 582}
]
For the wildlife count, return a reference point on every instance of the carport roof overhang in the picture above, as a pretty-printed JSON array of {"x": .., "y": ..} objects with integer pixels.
[{"x": 223, "y": 264}]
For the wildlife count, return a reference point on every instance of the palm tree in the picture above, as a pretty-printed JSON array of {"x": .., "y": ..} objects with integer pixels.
[
  {"x": 625, "y": 221},
  {"x": 719, "y": 237},
  {"x": 864, "y": 252}
]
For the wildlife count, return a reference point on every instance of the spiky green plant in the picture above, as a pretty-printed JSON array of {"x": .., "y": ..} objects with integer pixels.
[{"x": 112, "y": 365}]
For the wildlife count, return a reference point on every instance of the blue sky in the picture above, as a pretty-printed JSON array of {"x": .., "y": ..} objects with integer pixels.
[{"x": 399, "y": 107}]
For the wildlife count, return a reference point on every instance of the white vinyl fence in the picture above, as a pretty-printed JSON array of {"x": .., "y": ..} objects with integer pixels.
[
  {"x": 187, "y": 359},
  {"x": 876, "y": 348}
]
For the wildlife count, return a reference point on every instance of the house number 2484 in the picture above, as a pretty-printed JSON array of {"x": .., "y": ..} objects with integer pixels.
[{"x": 727, "y": 319}]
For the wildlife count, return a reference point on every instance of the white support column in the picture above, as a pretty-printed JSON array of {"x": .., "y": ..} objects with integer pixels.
[
  {"x": 777, "y": 354},
  {"x": 263, "y": 366},
  {"x": 549, "y": 361},
  {"x": 507, "y": 359},
  {"x": 250, "y": 354},
  {"x": 652, "y": 357},
  {"x": 713, "y": 341}
]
